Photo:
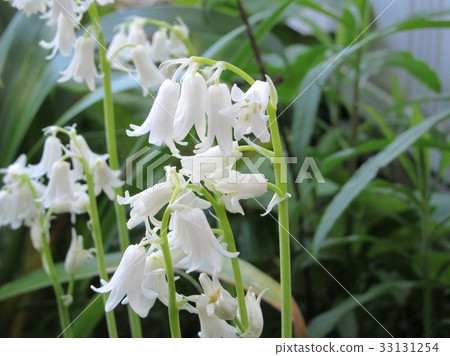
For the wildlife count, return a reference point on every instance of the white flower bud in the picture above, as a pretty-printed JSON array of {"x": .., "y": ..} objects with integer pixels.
[
  {"x": 76, "y": 255},
  {"x": 149, "y": 74},
  {"x": 64, "y": 39}
]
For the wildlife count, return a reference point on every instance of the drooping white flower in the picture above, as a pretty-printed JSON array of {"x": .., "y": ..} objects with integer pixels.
[
  {"x": 76, "y": 255},
  {"x": 136, "y": 33},
  {"x": 210, "y": 325},
  {"x": 249, "y": 111},
  {"x": 159, "y": 48},
  {"x": 36, "y": 232},
  {"x": 191, "y": 109},
  {"x": 63, "y": 194},
  {"x": 255, "y": 316},
  {"x": 159, "y": 122},
  {"x": 237, "y": 186},
  {"x": 64, "y": 39},
  {"x": 192, "y": 232},
  {"x": 82, "y": 67},
  {"x": 121, "y": 57},
  {"x": 220, "y": 301},
  {"x": 52, "y": 153},
  {"x": 79, "y": 147},
  {"x": 105, "y": 179},
  {"x": 148, "y": 73},
  {"x": 146, "y": 204},
  {"x": 68, "y": 8},
  {"x": 127, "y": 281},
  {"x": 211, "y": 162},
  {"x": 219, "y": 125},
  {"x": 30, "y": 6},
  {"x": 176, "y": 46}
]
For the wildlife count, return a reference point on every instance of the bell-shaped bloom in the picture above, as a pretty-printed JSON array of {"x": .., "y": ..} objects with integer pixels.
[
  {"x": 81, "y": 148},
  {"x": 64, "y": 39},
  {"x": 127, "y": 281},
  {"x": 63, "y": 194},
  {"x": 30, "y": 6},
  {"x": 36, "y": 232},
  {"x": 255, "y": 315},
  {"x": 136, "y": 33},
  {"x": 13, "y": 173},
  {"x": 159, "y": 122},
  {"x": 159, "y": 48},
  {"x": 52, "y": 153},
  {"x": 121, "y": 55},
  {"x": 219, "y": 125},
  {"x": 249, "y": 111},
  {"x": 76, "y": 255},
  {"x": 220, "y": 301},
  {"x": 68, "y": 8},
  {"x": 146, "y": 204},
  {"x": 210, "y": 325},
  {"x": 82, "y": 67},
  {"x": 176, "y": 46},
  {"x": 149, "y": 74},
  {"x": 211, "y": 162},
  {"x": 192, "y": 232},
  {"x": 237, "y": 186},
  {"x": 191, "y": 109},
  {"x": 105, "y": 179}
]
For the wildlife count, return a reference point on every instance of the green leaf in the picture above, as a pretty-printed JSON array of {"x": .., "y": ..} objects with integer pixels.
[
  {"x": 367, "y": 172},
  {"x": 322, "y": 324}
]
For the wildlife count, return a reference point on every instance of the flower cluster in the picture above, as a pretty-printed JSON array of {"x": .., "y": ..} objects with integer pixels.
[
  {"x": 131, "y": 50},
  {"x": 206, "y": 180},
  {"x": 213, "y": 110},
  {"x": 31, "y": 194}
]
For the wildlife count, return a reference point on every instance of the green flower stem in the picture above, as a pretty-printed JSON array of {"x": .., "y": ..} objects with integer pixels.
[
  {"x": 226, "y": 65},
  {"x": 97, "y": 235},
  {"x": 283, "y": 221},
  {"x": 108, "y": 107},
  {"x": 63, "y": 312},
  {"x": 229, "y": 239},
  {"x": 174, "y": 318}
]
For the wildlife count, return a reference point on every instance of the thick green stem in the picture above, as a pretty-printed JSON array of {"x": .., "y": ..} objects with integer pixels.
[
  {"x": 231, "y": 246},
  {"x": 63, "y": 312},
  {"x": 97, "y": 235},
  {"x": 110, "y": 128},
  {"x": 283, "y": 222}
]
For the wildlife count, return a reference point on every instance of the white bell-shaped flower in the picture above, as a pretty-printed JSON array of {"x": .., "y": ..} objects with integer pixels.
[
  {"x": 63, "y": 194},
  {"x": 149, "y": 74},
  {"x": 237, "y": 186},
  {"x": 249, "y": 111},
  {"x": 159, "y": 48},
  {"x": 219, "y": 125},
  {"x": 105, "y": 179},
  {"x": 64, "y": 39},
  {"x": 82, "y": 67},
  {"x": 255, "y": 315},
  {"x": 122, "y": 56},
  {"x": 52, "y": 153},
  {"x": 76, "y": 255},
  {"x": 220, "y": 301},
  {"x": 210, "y": 325},
  {"x": 146, "y": 204},
  {"x": 209, "y": 163},
  {"x": 36, "y": 232},
  {"x": 191, "y": 109},
  {"x": 127, "y": 281},
  {"x": 176, "y": 46},
  {"x": 159, "y": 122},
  {"x": 68, "y": 8},
  {"x": 136, "y": 33},
  {"x": 192, "y": 232},
  {"x": 30, "y": 7}
]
